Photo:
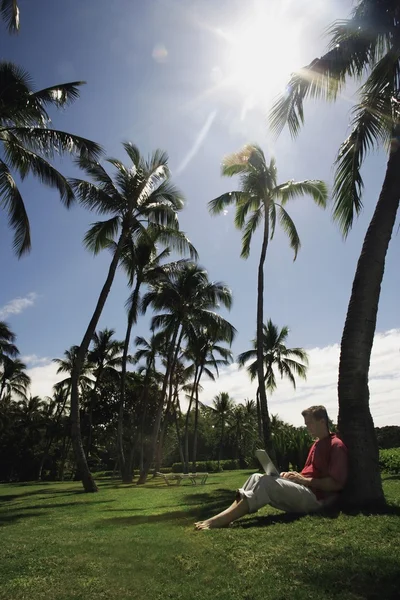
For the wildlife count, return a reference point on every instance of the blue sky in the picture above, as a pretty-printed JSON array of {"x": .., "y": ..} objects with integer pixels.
[{"x": 174, "y": 75}]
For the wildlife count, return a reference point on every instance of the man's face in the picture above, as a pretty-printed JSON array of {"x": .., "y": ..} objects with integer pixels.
[{"x": 312, "y": 425}]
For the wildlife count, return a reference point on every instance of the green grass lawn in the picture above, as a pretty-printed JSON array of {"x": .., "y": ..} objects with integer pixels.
[{"x": 127, "y": 542}]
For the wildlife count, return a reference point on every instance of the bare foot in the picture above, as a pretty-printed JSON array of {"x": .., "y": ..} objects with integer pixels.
[{"x": 211, "y": 524}]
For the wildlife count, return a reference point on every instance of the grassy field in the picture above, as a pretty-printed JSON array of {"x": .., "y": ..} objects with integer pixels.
[{"x": 128, "y": 542}]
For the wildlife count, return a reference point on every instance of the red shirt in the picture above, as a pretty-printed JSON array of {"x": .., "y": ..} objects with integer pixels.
[{"x": 327, "y": 458}]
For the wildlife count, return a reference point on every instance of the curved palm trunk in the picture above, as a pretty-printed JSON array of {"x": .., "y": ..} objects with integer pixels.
[
  {"x": 178, "y": 433},
  {"x": 143, "y": 404},
  {"x": 221, "y": 442},
  {"x": 186, "y": 432},
  {"x": 156, "y": 428},
  {"x": 260, "y": 317},
  {"x": 163, "y": 428},
  {"x": 126, "y": 470},
  {"x": 196, "y": 423},
  {"x": 82, "y": 466},
  {"x": 259, "y": 420},
  {"x": 355, "y": 422}
]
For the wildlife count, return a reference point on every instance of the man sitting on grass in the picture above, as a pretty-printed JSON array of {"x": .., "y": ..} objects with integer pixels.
[{"x": 318, "y": 484}]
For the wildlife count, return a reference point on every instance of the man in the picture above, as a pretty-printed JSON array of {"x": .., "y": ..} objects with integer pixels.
[{"x": 318, "y": 484}]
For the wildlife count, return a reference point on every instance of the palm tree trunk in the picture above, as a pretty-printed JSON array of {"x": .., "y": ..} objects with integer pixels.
[
  {"x": 186, "y": 431},
  {"x": 260, "y": 320},
  {"x": 156, "y": 428},
  {"x": 259, "y": 419},
  {"x": 355, "y": 421},
  {"x": 163, "y": 430},
  {"x": 3, "y": 385},
  {"x": 196, "y": 422},
  {"x": 221, "y": 441},
  {"x": 178, "y": 433},
  {"x": 87, "y": 479},
  {"x": 131, "y": 318}
]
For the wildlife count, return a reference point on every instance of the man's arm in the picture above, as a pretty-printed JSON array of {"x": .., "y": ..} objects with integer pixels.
[{"x": 326, "y": 484}]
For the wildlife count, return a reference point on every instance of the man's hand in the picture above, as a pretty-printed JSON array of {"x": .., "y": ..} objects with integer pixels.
[{"x": 296, "y": 478}]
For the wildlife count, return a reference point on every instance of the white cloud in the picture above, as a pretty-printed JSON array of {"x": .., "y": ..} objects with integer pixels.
[
  {"x": 321, "y": 384},
  {"x": 17, "y": 305},
  {"x": 34, "y": 360},
  {"x": 43, "y": 377},
  {"x": 320, "y": 387}
]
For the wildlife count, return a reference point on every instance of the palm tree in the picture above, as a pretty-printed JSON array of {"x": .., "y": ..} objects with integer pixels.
[
  {"x": 105, "y": 357},
  {"x": 28, "y": 142},
  {"x": 204, "y": 346},
  {"x": 7, "y": 339},
  {"x": 10, "y": 13},
  {"x": 187, "y": 296},
  {"x": 141, "y": 194},
  {"x": 143, "y": 263},
  {"x": 66, "y": 365},
  {"x": 222, "y": 408},
  {"x": 362, "y": 47},
  {"x": 275, "y": 355},
  {"x": 13, "y": 379},
  {"x": 147, "y": 350},
  {"x": 264, "y": 199}
]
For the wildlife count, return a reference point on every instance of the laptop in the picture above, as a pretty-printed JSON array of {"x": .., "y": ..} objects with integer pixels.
[{"x": 267, "y": 463}]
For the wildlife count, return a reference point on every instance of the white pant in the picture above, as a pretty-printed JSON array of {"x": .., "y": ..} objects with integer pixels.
[{"x": 279, "y": 493}]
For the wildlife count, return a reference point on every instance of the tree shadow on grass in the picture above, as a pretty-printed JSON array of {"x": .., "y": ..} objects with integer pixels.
[
  {"x": 13, "y": 518},
  {"x": 54, "y": 494},
  {"x": 361, "y": 574},
  {"x": 203, "y": 505}
]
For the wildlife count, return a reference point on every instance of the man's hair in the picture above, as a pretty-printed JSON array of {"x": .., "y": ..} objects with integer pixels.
[{"x": 318, "y": 412}]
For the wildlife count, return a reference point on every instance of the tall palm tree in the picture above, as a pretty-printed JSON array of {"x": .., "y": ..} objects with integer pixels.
[
  {"x": 222, "y": 408},
  {"x": 10, "y": 13},
  {"x": 105, "y": 356},
  {"x": 13, "y": 379},
  {"x": 28, "y": 142},
  {"x": 186, "y": 296},
  {"x": 147, "y": 350},
  {"x": 142, "y": 262},
  {"x": 7, "y": 339},
  {"x": 141, "y": 193},
  {"x": 66, "y": 365},
  {"x": 275, "y": 355},
  {"x": 207, "y": 353},
  {"x": 261, "y": 200},
  {"x": 365, "y": 47}
]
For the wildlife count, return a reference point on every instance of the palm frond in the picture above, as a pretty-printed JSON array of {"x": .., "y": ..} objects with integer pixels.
[
  {"x": 59, "y": 95},
  {"x": 312, "y": 187},
  {"x": 10, "y": 13},
  {"x": 93, "y": 197},
  {"x": 246, "y": 203},
  {"x": 244, "y": 357},
  {"x": 99, "y": 174},
  {"x": 368, "y": 128},
  {"x": 133, "y": 153},
  {"x": 26, "y": 161},
  {"x": 99, "y": 235},
  {"x": 217, "y": 205},
  {"x": 12, "y": 201},
  {"x": 290, "y": 229},
  {"x": 51, "y": 142},
  {"x": 250, "y": 227}
]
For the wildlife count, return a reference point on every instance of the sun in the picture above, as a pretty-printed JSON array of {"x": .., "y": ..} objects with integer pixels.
[{"x": 262, "y": 51}]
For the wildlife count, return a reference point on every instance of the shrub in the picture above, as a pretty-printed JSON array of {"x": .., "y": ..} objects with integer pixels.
[{"x": 389, "y": 460}]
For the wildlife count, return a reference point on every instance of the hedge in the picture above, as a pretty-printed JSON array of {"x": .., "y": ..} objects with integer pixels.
[{"x": 389, "y": 460}]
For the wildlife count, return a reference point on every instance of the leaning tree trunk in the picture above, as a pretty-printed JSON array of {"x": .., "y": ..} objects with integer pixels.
[
  {"x": 156, "y": 428},
  {"x": 196, "y": 424},
  {"x": 82, "y": 466},
  {"x": 126, "y": 471},
  {"x": 178, "y": 433},
  {"x": 186, "y": 429},
  {"x": 355, "y": 421},
  {"x": 259, "y": 336}
]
